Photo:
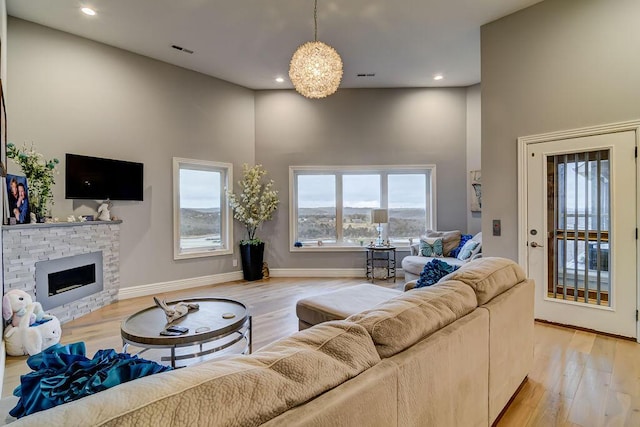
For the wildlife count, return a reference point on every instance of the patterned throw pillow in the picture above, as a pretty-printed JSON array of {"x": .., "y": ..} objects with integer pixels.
[
  {"x": 450, "y": 239},
  {"x": 467, "y": 249},
  {"x": 431, "y": 247},
  {"x": 463, "y": 239}
]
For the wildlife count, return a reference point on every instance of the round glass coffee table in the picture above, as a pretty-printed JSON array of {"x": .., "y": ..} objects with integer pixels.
[{"x": 218, "y": 324}]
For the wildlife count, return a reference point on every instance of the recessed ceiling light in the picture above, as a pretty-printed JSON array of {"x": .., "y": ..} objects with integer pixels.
[
  {"x": 279, "y": 80},
  {"x": 88, "y": 11},
  {"x": 438, "y": 77}
]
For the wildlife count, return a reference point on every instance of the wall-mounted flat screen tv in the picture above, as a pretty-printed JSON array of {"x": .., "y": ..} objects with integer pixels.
[{"x": 100, "y": 179}]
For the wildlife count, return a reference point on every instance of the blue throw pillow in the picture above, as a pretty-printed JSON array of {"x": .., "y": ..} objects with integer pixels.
[
  {"x": 467, "y": 249},
  {"x": 463, "y": 239},
  {"x": 433, "y": 271},
  {"x": 431, "y": 247}
]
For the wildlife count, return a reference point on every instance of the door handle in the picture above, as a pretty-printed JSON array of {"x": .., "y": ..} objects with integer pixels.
[{"x": 535, "y": 245}]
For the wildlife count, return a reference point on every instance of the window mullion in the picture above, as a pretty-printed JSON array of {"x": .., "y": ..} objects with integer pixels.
[
  {"x": 429, "y": 202},
  {"x": 339, "y": 207},
  {"x": 384, "y": 190},
  {"x": 384, "y": 200}
]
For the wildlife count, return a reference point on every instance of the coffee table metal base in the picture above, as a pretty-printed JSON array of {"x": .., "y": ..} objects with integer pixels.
[
  {"x": 245, "y": 334},
  {"x": 218, "y": 325}
]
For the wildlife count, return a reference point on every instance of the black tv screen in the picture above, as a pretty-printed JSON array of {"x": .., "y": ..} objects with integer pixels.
[{"x": 100, "y": 179}]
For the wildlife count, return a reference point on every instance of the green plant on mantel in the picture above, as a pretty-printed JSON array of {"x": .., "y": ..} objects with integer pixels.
[
  {"x": 39, "y": 173},
  {"x": 255, "y": 203}
]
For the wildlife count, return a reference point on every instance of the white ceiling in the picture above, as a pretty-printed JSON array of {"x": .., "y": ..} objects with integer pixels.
[{"x": 250, "y": 42}]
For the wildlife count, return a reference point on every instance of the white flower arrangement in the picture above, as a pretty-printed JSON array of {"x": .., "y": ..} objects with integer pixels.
[{"x": 255, "y": 203}]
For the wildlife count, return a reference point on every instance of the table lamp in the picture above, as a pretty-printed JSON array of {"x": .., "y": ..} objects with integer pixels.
[{"x": 380, "y": 216}]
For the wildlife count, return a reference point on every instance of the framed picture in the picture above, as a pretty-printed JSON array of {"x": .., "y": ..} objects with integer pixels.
[
  {"x": 476, "y": 191},
  {"x": 17, "y": 199}
]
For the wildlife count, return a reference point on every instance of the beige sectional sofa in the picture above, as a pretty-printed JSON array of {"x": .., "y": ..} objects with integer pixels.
[{"x": 448, "y": 355}]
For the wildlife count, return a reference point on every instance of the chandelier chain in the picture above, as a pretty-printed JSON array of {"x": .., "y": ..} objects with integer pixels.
[{"x": 315, "y": 20}]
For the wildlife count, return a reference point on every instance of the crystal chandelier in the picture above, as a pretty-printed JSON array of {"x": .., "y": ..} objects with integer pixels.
[{"x": 316, "y": 67}]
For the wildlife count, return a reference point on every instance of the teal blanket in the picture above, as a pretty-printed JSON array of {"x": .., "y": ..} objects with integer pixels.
[
  {"x": 62, "y": 373},
  {"x": 433, "y": 271}
]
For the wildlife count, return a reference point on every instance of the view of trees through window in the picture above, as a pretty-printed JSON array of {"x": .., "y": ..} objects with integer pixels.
[{"x": 327, "y": 199}]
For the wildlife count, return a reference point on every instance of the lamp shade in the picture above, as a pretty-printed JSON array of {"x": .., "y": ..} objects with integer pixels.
[{"x": 379, "y": 215}]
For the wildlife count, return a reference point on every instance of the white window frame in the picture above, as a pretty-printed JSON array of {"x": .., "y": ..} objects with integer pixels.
[
  {"x": 226, "y": 219},
  {"x": 383, "y": 170}
]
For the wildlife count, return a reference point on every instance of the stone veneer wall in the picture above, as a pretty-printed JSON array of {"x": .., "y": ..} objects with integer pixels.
[{"x": 24, "y": 245}]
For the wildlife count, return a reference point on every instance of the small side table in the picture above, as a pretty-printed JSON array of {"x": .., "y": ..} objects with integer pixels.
[{"x": 381, "y": 257}]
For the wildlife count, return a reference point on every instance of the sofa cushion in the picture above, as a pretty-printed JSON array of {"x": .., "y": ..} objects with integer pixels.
[
  {"x": 406, "y": 319},
  {"x": 343, "y": 303},
  {"x": 467, "y": 250},
  {"x": 478, "y": 249},
  {"x": 242, "y": 391},
  {"x": 463, "y": 239},
  {"x": 415, "y": 264},
  {"x": 488, "y": 276},
  {"x": 450, "y": 239}
]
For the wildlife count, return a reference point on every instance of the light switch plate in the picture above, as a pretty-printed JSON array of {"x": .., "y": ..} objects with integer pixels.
[{"x": 497, "y": 228}]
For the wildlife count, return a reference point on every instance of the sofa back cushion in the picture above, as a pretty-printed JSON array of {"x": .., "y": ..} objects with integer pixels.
[
  {"x": 406, "y": 319},
  {"x": 243, "y": 390},
  {"x": 467, "y": 250},
  {"x": 488, "y": 276}
]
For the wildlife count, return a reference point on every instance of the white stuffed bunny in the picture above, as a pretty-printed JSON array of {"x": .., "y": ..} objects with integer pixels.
[
  {"x": 103, "y": 211},
  {"x": 14, "y": 306},
  {"x": 24, "y": 339}
]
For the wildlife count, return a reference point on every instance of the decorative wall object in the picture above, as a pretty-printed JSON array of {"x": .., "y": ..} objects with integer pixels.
[{"x": 476, "y": 191}]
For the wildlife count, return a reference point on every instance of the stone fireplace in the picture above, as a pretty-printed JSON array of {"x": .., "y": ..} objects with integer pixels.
[{"x": 70, "y": 268}]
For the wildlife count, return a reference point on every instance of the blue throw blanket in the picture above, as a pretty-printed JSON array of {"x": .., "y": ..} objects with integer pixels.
[
  {"x": 63, "y": 373},
  {"x": 433, "y": 271}
]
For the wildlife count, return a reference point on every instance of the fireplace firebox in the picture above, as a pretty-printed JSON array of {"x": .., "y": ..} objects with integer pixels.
[{"x": 63, "y": 280}]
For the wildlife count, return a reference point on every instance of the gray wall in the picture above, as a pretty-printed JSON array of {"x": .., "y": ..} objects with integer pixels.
[
  {"x": 474, "y": 219},
  {"x": 557, "y": 65},
  {"x": 69, "y": 94},
  {"x": 361, "y": 127}
]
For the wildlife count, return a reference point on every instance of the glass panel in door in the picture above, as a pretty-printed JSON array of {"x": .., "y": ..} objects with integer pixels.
[{"x": 578, "y": 218}]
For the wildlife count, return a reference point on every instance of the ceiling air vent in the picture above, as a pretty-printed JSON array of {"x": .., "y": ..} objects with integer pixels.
[
  {"x": 182, "y": 49},
  {"x": 366, "y": 74}
]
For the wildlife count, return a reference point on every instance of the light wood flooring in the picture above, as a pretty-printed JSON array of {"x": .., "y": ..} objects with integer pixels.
[{"x": 578, "y": 378}]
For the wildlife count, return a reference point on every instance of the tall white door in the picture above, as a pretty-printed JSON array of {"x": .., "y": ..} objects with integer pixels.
[{"x": 581, "y": 231}]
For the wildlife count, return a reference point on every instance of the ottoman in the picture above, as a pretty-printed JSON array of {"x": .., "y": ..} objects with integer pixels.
[{"x": 339, "y": 305}]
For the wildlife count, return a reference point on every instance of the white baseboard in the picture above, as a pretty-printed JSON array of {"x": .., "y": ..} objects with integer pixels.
[
  {"x": 176, "y": 285},
  {"x": 322, "y": 272},
  {"x": 317, "y": 272},
  {"x": 194, "y": 282}
]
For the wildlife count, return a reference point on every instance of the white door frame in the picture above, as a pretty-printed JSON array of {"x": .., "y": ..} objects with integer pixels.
[{"x": 524, "y": 141}]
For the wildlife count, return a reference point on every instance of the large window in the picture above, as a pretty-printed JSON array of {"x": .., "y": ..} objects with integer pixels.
[
  {"x": 202, "y": 220},
  {"x": 331, "y": 206}
]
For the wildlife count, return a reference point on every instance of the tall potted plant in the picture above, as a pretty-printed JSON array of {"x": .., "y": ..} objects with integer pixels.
[
  {"x": 39, "y": 173},
  {"x": 254, "y": 204}
]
